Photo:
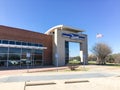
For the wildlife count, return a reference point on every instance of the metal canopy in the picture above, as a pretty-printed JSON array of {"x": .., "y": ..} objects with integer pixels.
[{"x": 21, "y": 46}]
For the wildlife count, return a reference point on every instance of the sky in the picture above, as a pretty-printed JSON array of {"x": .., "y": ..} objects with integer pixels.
[{"x": 93, "y": 16}]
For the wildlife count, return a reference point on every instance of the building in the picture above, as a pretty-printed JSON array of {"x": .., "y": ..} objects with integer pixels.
[
  {"x": 61, "y": 36},
  {"x": 19, "y": 47}
]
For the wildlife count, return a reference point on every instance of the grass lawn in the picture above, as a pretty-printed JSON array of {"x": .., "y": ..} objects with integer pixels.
[
  {"x": 91, "y": 62},
  {"x": 107, "y": 64}
]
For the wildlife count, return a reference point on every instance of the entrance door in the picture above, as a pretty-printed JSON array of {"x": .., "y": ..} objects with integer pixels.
[
  {"x": 72, "y": 51},
  {"x": 66, "y": 52}
]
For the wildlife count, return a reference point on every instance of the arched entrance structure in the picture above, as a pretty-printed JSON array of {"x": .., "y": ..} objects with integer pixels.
[{"x": 62, "y": 35}]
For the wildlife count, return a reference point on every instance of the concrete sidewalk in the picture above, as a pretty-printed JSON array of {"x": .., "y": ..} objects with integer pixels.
[
  {"x": 30, "y": 70},
  {"x": 93, "y": 84},
  {"x": 111, "y": 83},
  {"x": 105, "y": 83}
]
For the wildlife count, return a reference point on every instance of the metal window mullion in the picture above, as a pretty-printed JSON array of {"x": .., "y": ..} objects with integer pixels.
[
  {"x": 8, "y": 56},
  {"x": 33, "y": 57},
  {"x": 20, "y": 57},
  {"x": 42, "y": 57}
]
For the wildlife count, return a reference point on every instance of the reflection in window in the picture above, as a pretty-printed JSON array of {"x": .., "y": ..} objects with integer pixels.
[
  {"x": 37, "y": 62},
  {"x": 10, "y": 56},
  {"x": 18, "y": 43},
  {"x": 38, "y": 57},
  {"x": 29, "y": 44},
  {"x": 37, "y": 51},
  {"x": 12, "y": 42},
  {"x": 14, "y": 56},
  {"x": 13, "y": 62},
  {"x": 3, "y": 50},
  {"x": 5, "y": 41},
  {"x": 3, "y": 56},
  {"x": 3, "y": 63},
  {"x": 24, "y": 43},
  {"x": 14, "y": 50},
  {"x": 25, "y": 51}
]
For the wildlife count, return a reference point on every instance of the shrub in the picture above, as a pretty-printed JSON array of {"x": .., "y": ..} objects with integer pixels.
[{"x": 73, "y": 64}]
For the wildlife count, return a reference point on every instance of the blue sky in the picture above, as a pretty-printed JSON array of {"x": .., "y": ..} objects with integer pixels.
[{"x": 93, "y": 16}]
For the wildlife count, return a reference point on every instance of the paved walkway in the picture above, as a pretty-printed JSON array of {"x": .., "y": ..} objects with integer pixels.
[
  {"x": 111, "y": 83},
  {"x": 92, "y": 84},
  {"x": 90, "y": 68},
  {"x": 103, "y": 83},
  {"x": 30, "y": 70}
]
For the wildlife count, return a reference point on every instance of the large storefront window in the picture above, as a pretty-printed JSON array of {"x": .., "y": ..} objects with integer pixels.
[{"x": 17, "y": 56}]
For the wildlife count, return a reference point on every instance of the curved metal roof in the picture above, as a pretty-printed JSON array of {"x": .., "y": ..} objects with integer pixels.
[{"x": 62, "y": 27}]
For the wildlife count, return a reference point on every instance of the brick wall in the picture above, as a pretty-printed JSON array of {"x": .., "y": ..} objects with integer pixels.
[{"x": 10, "y": 33}]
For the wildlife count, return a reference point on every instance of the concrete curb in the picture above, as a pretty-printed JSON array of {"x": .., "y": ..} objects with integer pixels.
[
  {"x": 80, "y": 81},
  {"x": 39, "y": 83}
]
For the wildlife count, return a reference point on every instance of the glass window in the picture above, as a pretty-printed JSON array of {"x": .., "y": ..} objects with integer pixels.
[
  {"x": 18, "y": 43},
  {"x": 14, "y": 50},
  {"x": 3, "y": 50},
  {"x": 23, "y": 57},
  {"x": 38, "y": 62},
  {"x": 26, "y": 50},
  {"x": 5, "y": 41},
  {"x": 36, "y": 45},
  {"x": 11, "y": 42},
  {"x": 0, "y": 41},
  {"x": 33, "y": 44},
  {"x": 24, "y": 43},
  {"x": 14, "y": 56},
  {"x": 29, "y": 44},
  {"x": 3, "y": 56},
  {"x": 3, "y": 63},
  {"x": 38, "y": 51},
  {"x": 38, "y": 57},
  {"x": 13, "y": 62},
  {"x": 40, "y": 45}
]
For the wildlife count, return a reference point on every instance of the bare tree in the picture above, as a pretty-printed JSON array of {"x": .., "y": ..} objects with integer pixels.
[
  {"x": 92, "y": 57},
  {"x": 110, "y": 58},
  {"x": 101, "y": 50},
  {"x": 116, "y": 57}
]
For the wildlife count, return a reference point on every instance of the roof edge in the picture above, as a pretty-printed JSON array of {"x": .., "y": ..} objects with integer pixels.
[{"x": 63, "y": 26}]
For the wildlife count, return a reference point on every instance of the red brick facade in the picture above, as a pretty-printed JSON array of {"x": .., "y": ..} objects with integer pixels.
[{"x": 9, "y": 33}]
